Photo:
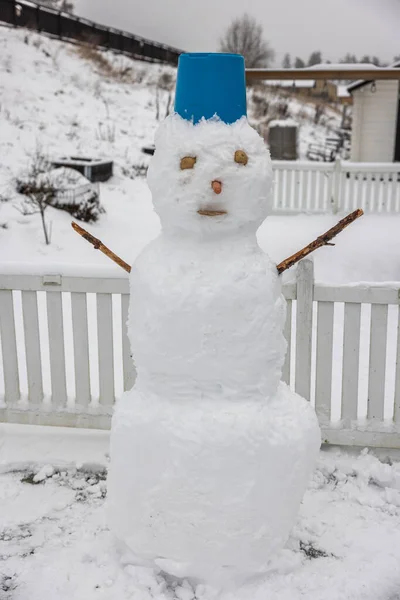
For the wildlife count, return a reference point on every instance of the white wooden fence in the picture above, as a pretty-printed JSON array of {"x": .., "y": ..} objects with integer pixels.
[
  {"x": 65, "y": 353},
  {"x": 316, "y": 187}
]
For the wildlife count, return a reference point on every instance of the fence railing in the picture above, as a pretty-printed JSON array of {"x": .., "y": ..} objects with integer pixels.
[
  {"x": 22, "y": 13},
  {"x": 65, "y": 353},
  {"x": 314, "y": 187}
]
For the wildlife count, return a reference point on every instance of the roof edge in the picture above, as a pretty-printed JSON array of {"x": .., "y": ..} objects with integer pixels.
[{"x": 361, "y": 82}]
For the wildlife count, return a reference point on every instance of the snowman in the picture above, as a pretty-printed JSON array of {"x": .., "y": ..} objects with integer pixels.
[{"x": 210, "y": 451}]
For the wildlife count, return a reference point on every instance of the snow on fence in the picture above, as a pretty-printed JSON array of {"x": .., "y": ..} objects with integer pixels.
[
  {"x": 65, "y": 353},
  {"x": 340, "y": 186}
]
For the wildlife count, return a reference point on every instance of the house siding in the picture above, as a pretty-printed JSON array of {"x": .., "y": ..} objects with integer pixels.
[{"x": 374, "y": 122}]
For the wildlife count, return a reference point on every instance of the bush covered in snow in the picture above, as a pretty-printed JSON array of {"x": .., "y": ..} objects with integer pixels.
[{"x": 65, "y": 189}]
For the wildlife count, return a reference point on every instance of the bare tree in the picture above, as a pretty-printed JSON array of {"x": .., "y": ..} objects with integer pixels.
[
  {"x": 165, "y": 84},
  {"x": 319, "y": 111},
  {"x": 245, "y": 36},
  {"x": 39, "y": 196}
]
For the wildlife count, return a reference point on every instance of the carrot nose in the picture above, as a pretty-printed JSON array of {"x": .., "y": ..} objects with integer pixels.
[{"x": 216, "y": 186}]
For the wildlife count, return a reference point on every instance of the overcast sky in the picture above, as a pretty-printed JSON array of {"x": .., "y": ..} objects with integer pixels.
[{"x": 296, "y": 26}]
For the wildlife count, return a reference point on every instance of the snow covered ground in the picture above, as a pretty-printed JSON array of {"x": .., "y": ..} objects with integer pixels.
[{"x": 54, "y": 541}]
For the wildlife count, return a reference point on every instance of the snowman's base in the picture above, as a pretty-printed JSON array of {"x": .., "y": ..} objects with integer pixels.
[{"x": 209, "y": 490}]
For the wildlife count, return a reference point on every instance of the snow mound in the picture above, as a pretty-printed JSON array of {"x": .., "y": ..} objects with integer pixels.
[{"x": 64, "y": 178}]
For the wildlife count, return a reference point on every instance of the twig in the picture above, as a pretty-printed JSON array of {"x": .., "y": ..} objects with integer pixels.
[
  {"x": 322, "y": 240},
  {"x": 98, "y": 245}
]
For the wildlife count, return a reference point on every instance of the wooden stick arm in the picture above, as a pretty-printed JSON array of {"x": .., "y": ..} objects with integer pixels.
[
  {"x": 98, "y": 245},
  {"x": 322, "y": 240}
]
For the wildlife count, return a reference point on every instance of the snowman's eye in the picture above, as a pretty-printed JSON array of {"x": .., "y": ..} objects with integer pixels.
[
  {"x": 241, "y": 157},
  {"x": 188, "y": 162}
]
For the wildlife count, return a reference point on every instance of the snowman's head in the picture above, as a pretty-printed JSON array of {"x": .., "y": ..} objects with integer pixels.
[{"x": 210, "y": 178}]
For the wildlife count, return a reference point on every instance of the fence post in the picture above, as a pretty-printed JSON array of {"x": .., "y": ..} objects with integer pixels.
[
  {"x": 38, "y": 17},
  {"x": 336, "y": 187},
  {"x": 304, "y": 313}
]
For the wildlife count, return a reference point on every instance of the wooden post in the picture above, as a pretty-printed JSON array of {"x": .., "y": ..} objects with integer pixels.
[
  {"x": 351, "y": 362},
  {"x": 105, "y": 348},
  {"x": 9, "y": 347},
  {"x": 304, "y": 313},
  {"x": 396, "y": 414},
  {"x": 377, "y": 361},
  {"x": 56, "y": 350},
  {"x": 129, "y": 368},
  {"x": 323, "y": 367},
  {"x": 32, "y": 347},
  {"x": 81, "y": 349},
  {"x": 336, "y": 188},
  {"x": 287, "y": 332}
]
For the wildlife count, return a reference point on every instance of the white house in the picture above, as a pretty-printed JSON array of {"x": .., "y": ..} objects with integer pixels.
[{"x": 376, "y": 120}]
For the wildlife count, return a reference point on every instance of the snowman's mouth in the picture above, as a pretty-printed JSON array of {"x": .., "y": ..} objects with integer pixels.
[{"x": 207, "y": 212}]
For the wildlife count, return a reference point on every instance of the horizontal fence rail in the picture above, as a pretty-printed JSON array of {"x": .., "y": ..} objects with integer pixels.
[
  {"x": 66, "y": 26},
  {"x": 312, "y": 187},
  {"x": 65, "y": 355}
]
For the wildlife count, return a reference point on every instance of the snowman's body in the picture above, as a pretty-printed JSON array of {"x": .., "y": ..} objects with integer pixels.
[
  {"x": 198, "y": 326},
  {"x": 210, "y": 453}
]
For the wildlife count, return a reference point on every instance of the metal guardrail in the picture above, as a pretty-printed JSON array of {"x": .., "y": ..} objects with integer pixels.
[{"x": 70, "y": 27}]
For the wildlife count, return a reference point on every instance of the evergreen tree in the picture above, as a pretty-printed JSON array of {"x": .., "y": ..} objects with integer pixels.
[
  {"x": 286, "y": 63},
  {"x": 365, "y": 59},
  {"x": 315, "y": 58},
  {"x": 299, "y": 63},
  {"x": 349, "y": 59}
]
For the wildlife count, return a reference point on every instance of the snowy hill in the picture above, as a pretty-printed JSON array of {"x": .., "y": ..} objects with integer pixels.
[
  {"x": 58, "y": 99},
  {"x": 55, "y": 102}
]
